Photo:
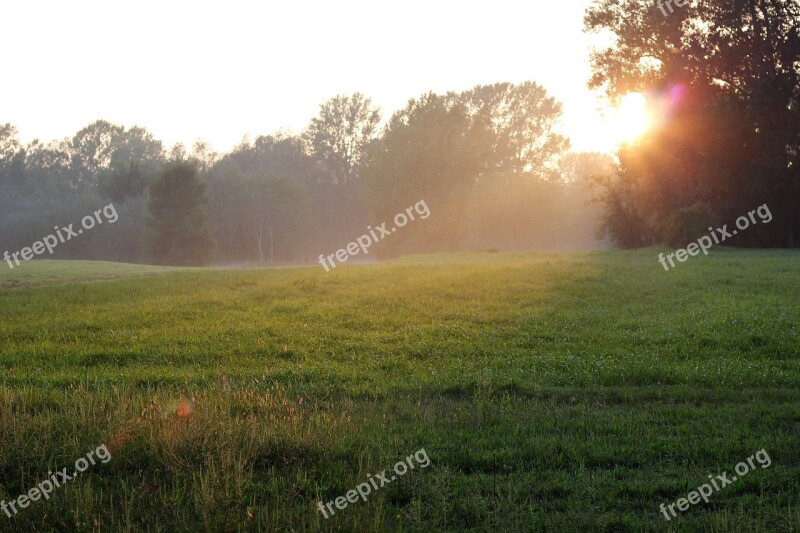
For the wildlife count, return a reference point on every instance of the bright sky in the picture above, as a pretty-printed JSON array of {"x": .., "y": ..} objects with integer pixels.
[{"x": 217, "y": 70}]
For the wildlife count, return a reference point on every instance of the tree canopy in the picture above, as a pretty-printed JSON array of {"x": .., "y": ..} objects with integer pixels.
[{"x": 726, "y": 79}]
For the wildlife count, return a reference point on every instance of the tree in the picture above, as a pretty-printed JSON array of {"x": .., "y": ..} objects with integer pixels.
[
  {"x": 48, "y": 169},
  {"x": 12, "y": 157},
  {"x": 278, "y": 212},
  {"x": 586, "y": 167},
  {"x": 477, "y": 158},
  {"x": 339, "y": 135},
  {"x": 260, "y": 200},
  {"x": 177, "y": 152},
  {"x": 92, "y": 150},
  {"x": 178, "y": 226},
  {"x": 203, "y": 155},
  {"x": 9, "y": 144},
  {"x": 432, "y": 150},
  {"x": 623, "y": 220},
  {"x": 726, "y": 76},
  {"x": 123, "y": 182},
  {"x": 523, "y": 119},
  {"x": 118, "y": 163}
]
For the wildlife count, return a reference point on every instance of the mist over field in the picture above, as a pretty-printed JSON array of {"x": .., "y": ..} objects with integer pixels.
[{"x": 285, "y": 199}]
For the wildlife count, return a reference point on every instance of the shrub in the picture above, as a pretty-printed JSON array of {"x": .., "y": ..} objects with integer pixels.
[{"x": 688, "y": 224}]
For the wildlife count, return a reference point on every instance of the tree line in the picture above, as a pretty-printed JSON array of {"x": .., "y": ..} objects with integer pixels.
[{"x": 488, "y": 161}]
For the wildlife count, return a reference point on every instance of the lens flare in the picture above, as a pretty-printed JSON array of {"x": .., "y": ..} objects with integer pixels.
[{"x": 676, "y": 94}]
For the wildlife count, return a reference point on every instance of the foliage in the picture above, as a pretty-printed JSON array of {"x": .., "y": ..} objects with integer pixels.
[
  {"x": 623, "y": 221},
  {"x": 339, "y": 135},
  {"x": 488, "y": 161},
  {"x": 177, "y": 223},
  {"x": 462, "y": 153},
  {"x": 260, "y": 208},
  {"x": 725, "y": 79},
  {"x": 689, "y": 223}
]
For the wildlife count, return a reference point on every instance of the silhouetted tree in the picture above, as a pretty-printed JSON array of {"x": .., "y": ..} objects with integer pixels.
[
  {"x": 523, "y": 120},
  {"x": 726, "y": 78}
]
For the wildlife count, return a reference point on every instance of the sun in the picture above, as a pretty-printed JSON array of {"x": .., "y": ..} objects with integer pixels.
[
  {"x": 630, "y": 119},
  {"x": 604, "y": 127}
]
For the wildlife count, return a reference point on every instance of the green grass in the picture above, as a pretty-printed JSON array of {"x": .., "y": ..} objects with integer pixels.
[
  {"x": 552, "y": 392},
  {"x": 38, "y": 273}
]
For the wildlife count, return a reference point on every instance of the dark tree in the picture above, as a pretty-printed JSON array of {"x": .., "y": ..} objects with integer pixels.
[
  {"x": 726, "y": 76},
  {"x": 178, "y": 226}
]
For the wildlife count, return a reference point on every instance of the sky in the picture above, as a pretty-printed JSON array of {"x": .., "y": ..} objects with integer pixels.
[{"x": 217, "y": 70}]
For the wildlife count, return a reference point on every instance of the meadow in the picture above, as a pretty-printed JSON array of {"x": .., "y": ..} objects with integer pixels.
[{"x": 552, "y": 392}]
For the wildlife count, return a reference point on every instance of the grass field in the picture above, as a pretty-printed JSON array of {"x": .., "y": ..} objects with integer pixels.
[{"x": 568, "y": 392}]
